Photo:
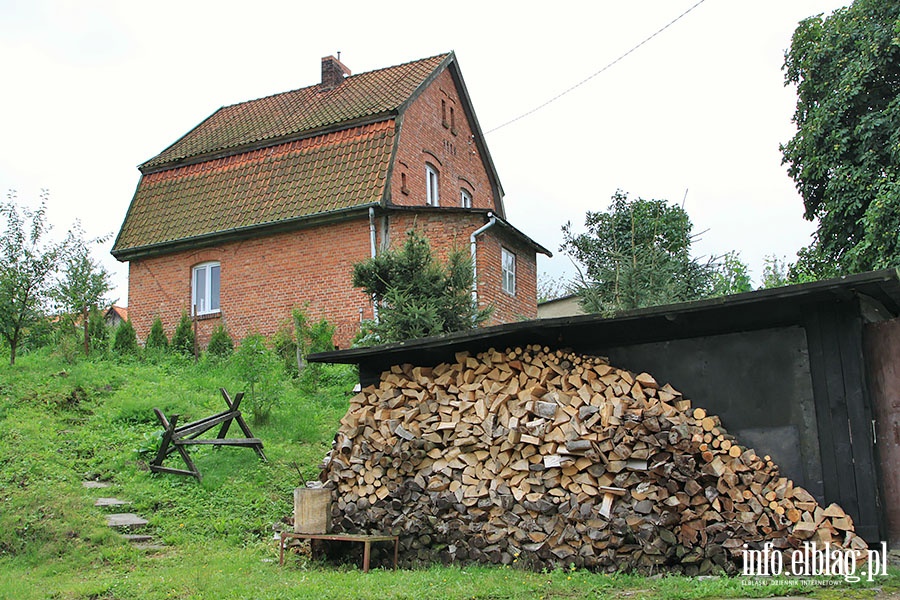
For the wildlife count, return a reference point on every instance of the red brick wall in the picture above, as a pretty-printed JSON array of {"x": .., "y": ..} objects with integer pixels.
[
  {"x": 261, "y": 281},
  {"x": 425, "y": 139},
  {"x": 507, "y": 308},
  {"x": 448, "y": 231}
]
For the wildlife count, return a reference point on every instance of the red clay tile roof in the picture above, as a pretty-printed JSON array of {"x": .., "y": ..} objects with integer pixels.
[
  {"x": 292, "y": 180},
  {"x": 307, "y": 109},
  {"x": 120, "y": 311}
]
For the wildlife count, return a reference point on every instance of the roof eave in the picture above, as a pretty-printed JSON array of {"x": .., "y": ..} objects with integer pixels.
[
  {"x": 486, "y": 212},
  {"x": 524, "y": 238},
  {"x": 241, "y": 233}
]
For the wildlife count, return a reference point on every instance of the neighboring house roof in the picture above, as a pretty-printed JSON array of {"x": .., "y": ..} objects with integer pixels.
[
  {"x": 118, "y": 311},
  {"x": 312, "y": 153},
  {"x": 564, "y": 306}
]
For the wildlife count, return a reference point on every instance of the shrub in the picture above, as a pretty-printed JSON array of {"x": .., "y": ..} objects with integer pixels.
[
  {"x": 220, "y": 343},
  {"x": 125, "y": 341},
  {"x": 98, "y": 332},
  {"x": 157, "y": 340},
  {"x": 259, "y": 368},
  {"x": 69, "y": 345},
  {"x": 183, "y": 338},
  {"x": 285, "y": 346}
]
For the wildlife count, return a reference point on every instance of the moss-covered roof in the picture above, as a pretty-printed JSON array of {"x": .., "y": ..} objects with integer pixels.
[
  {"x": 307, "y": 109},
  {"x": 266, "y": 186},
  {"x": 273, "y": 160}
]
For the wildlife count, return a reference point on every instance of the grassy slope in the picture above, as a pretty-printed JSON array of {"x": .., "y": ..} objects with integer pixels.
[{"x": 61, "y": 423}]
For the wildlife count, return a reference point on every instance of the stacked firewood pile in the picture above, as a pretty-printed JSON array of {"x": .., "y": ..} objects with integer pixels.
[{"x": 547, "y": 458}]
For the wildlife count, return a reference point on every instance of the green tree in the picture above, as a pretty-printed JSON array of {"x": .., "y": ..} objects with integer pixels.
[
  {"x": 731, "y": 275},
  {"x": 183, "y": 338},
  {"x": 83, "y": 282},
  {"x": 125, "y": 341},
  {"x": 417, "y": 296},
  {"x": 636, "y": 254},
  {"x": 845, "y": 156},
  {"x": 156, "y": 339},
  {"x": 551, "y": 288},
  {"x": 306, "y": 337},
  {"x": 260, "y": 369},
  {"x": 27, "y": 264}
]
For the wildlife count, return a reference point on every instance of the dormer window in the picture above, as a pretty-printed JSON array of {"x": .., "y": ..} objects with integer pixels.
[
  {"x": 465, "y": 198},
  {"x": 432, "y": 194}
]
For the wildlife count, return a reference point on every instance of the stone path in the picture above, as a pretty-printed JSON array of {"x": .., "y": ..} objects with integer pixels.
[
  {"x": 127, "y": 523},
  {"x": 102, "y": 502}
]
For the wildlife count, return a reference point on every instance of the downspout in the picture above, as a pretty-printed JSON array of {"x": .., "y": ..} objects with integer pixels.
[
  {"x": 372, "y": 251},
  {"x": 472, "y": 244}
]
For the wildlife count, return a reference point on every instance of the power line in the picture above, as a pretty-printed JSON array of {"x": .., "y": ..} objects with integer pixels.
[{"x": 585, "y": 80}]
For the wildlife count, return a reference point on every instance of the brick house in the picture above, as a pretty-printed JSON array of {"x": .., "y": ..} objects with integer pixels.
[{"x": 267, "y": 204}]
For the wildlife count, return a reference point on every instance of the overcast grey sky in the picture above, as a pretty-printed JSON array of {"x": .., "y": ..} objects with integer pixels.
[{"x": 93, "y": 88}]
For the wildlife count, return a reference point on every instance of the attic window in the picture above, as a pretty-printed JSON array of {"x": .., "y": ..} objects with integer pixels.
[
  {"x": 403, "y": 187},
  {"x": 444, "y": 113},
  {"x": 465, "y": 198},
  {"x": 432, "y": 193},
  {"x": 452, "y": 122},
  {"x": 205, "y": 288}
]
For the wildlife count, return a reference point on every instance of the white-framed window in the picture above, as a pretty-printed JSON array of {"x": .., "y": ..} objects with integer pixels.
[
  {"x": 508, "y": 264},
  {"x": 205, "y": 288},
  {"x": 432, "y": 193},
  {"x": 465, "y": 198}
]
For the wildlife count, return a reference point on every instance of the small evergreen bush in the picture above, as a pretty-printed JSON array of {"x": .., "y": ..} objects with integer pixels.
[
  {"x": 183, "y": 338},
  {"x": 125, "y": 342},
  {"x": 98, "y": 332},
  {"x": 157, "y": 340},
  {"x": 220, "y": 343}
]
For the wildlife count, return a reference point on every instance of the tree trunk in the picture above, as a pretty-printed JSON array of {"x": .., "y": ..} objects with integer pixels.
[{"x": 87, "y": 334}]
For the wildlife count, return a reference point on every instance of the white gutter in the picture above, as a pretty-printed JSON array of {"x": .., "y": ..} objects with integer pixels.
[
  {"x": 372, "y": 231},
  {"x": 372, "y": 250},
  {"x": 472, "y": 244}
]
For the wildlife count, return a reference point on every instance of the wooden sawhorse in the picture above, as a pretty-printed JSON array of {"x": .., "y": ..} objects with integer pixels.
[{"x": 176, "y": 438}]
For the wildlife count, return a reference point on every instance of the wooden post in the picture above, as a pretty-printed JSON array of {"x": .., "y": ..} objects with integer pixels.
[{"x": 194, "y": 319}]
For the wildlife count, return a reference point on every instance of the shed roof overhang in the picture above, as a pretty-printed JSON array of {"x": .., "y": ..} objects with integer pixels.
[{"x": 879, "y": 292}]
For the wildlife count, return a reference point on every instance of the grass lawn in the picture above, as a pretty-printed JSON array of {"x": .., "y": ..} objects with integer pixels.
[{"x": 62, "y": 423}]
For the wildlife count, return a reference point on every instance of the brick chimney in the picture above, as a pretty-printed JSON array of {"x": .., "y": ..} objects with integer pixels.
[{"x": 333, "y": 73}]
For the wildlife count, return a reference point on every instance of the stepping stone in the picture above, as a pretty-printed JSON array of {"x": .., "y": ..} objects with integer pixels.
[
  {"x": 95, "y": 484},
  {"x": 150, "y": 547},
  {"x": 126, "y": 520},
  {"x": 110, "y": 502},
  {"x": 136, "y": 538}
]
